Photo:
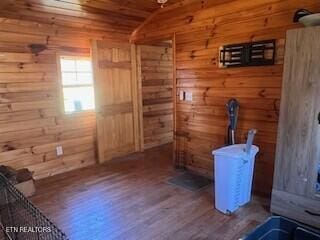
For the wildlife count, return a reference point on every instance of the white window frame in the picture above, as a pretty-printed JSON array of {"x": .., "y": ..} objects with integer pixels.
[{"x": 61, "y": 86}]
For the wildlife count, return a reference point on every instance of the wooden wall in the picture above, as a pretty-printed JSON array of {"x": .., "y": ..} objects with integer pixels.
[
  {"x": 31, "y": 121},
  {"x": 201, "y": 28},
  {"x": 157, "y": 84}
]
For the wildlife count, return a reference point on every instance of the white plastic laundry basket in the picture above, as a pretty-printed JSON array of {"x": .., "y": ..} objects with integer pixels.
[{"x": 233, "y": 173}]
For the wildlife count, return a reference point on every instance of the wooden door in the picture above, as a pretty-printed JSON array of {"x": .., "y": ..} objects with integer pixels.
[
  {"x": 116, "y": 99},
  {"x": 298, "y": 152}
]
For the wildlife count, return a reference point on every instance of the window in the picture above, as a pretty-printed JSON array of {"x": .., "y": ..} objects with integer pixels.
[{"x": 77, "y": 84}]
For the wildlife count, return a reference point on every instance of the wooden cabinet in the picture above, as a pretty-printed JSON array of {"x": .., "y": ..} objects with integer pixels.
[{"x": 294, "y": 192}]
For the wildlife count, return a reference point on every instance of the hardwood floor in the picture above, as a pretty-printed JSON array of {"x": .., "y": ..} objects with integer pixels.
[{"x": 130, "y": 199}]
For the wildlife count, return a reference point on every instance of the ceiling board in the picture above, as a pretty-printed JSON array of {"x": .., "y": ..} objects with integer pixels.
[{"x": 125, "y": 15}]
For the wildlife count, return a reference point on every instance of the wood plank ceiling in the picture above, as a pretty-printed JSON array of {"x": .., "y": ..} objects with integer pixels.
[{"x": 121, "y": 16}]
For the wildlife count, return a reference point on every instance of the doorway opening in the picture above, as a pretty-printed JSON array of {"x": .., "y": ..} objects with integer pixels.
[{"x": 155, "y": 62}]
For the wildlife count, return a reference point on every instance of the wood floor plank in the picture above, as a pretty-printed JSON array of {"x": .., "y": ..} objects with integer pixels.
[{"x": 129, "y": 198}]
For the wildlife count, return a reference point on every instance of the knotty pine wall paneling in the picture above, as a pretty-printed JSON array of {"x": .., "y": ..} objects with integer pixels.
[
  {"x": 157, "y": 83},
  {"x": 200, "y": 29},
  {"x": 32, "y": 123}
]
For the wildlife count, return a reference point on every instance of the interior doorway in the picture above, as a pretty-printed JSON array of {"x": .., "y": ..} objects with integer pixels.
[{"x": 155, "y": 63}]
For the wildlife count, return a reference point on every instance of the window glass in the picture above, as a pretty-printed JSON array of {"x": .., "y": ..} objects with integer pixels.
[
  {"x": 68, "y": 65},
  {"x": 78, "y": 99},
  {"x": 84, "y": 78},
  {"x": 69, "y": 78},
  {"x": 83, "y": 66},
  {"x": 77, "y": 84}
]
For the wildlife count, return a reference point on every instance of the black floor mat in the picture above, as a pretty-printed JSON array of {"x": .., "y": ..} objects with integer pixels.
[{"x": 190, "y": 181}]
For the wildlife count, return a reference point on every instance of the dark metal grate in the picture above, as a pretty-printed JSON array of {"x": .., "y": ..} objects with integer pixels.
[
  {"x": 248, "y": 54},
  {"x": 21, "y": 220}
]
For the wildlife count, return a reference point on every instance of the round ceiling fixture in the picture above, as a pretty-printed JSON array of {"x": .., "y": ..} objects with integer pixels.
[{"x": 162, "y": 2}]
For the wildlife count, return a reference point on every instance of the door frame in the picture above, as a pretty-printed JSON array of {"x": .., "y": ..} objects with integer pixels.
[{"x": 136, "y": 99}]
